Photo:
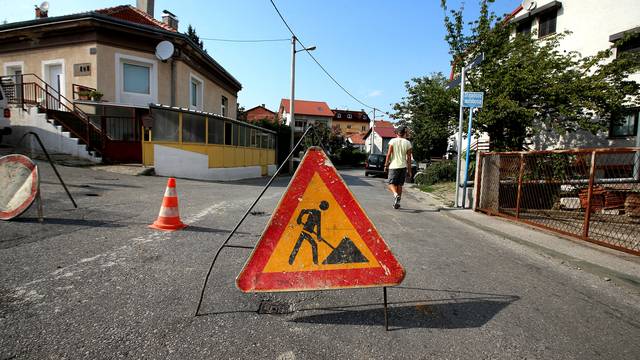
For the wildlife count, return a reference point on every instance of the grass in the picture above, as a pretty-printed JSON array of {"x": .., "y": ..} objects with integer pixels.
[{"x": 445, "y": 191}]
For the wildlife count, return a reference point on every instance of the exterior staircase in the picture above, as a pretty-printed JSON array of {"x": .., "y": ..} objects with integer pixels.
[{"x": 52, "y": 112}]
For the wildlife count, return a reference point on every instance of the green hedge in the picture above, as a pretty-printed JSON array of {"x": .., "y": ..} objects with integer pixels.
[
  {"x": 443, "y": 171},
  {"x": 348, "y": 156}
]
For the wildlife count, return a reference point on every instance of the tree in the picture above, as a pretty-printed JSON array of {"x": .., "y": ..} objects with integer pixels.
[
  {"x": 191, "y": 33},
  {"x": 430, "y": 109},
  {"x": 530, "y": 85}
]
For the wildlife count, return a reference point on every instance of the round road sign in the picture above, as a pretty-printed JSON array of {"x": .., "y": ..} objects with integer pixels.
[{"x": 19, "y": 185}]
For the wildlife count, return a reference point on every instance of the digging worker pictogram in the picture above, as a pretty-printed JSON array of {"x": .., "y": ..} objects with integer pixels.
[{"x": 310, "y": 226}]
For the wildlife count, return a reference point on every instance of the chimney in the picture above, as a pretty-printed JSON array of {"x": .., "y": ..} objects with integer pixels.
[
  {"x": 146, "y": 6},
  {"x": 262, "y": 105},
  {"x": 41, "y": 13},
  {"x": 170, "y": 19}
]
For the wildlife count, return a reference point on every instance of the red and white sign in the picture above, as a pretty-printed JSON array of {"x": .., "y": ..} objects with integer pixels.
[
  {"x": 319, "y": 238},
  {"x": 20, "y": 184}
]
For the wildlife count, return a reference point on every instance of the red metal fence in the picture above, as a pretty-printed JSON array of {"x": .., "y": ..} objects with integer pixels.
[{"x": 591, "y": 194}]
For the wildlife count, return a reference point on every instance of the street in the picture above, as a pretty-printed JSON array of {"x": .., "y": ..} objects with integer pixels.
[{"x": 96, "y": 282}]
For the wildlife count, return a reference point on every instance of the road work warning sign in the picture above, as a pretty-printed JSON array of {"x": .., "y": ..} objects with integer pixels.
[{"x": 319, "y": 238}]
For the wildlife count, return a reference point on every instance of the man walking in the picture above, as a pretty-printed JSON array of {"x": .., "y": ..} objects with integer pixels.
[{"x": 398, "y": 163}]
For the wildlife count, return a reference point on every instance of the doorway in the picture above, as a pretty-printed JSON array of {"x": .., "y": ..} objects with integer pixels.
[
  {"x": 14, "y": 70},
  {"x": 53, "y": 71}
]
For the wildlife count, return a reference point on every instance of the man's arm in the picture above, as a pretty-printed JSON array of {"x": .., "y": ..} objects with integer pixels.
[
  {"x": 302, "y": 213},
  {"x": 386, "y": 161},
  {"x": 409, "y": 167}
]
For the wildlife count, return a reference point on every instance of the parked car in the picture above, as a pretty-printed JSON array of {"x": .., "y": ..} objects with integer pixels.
[
  {"x": 5, "y": 115},
  {"x": 375, "y": 166}
]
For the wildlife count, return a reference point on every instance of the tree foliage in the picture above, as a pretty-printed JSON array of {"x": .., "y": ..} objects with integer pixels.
[
  {"x": 191, "y": 33},
  {"x": 427, "y": 110},
  {"x": 531, "y": 85}
]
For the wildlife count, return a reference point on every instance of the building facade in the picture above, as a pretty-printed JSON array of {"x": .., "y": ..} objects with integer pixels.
[
  {"x": 350, "y": 122},
  {"x": 258, "y": 113},
  {"x": 307, "y": 113},
  {"x": 593, "y": 26},
  {"x": 376, "y": 140}
]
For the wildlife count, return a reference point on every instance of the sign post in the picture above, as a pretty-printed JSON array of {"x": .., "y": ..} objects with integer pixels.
[
  {"x": 473, "y": 63},
  {"x": 471, "y": 100}
]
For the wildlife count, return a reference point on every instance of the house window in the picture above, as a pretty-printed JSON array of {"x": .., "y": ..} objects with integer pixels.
[
  {"x": 224, "y": 106},
  {"x": 348, "y": 116},
  {"x": 630, "y": 45},
  {"x": 228, "y": 133},
  {"x": 195, "y": 93},
  {"x": 364, "y": 128},
  {"x": 628, "y": 126},
  {"x": 299, "y": 124},
  {"x": 348, "y": 126},
  {"x": 524, "y": 27},
  {"x": 364, "y": 116},
  {"x": 136, "y": 78},
  {"x": 547, "y": 23},
  {"x": 339, "y": 116}
]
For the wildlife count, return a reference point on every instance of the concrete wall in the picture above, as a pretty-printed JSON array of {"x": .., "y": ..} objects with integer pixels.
[
  {"x": 54, "y": 139},
  {"x": 72, "y": 54},
  {"x": 170, "y": 161},
  {"x": 212, "y": 99}
]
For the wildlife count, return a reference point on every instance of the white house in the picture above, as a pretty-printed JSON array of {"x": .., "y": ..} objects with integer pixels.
[
  {"x": 376, "y": 140},
  {"x": 594, "y": 25}
]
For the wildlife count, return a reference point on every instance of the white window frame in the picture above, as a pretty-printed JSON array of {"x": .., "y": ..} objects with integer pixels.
[
  {"x": 349, "y": 116},
  {"x": 199, "y": 95},
  {"x": 13, "y": 64},
  {"x": 63, "y": 80},
  {"x": 223, "y": 107},
  {"x": 134, "y": 98}
]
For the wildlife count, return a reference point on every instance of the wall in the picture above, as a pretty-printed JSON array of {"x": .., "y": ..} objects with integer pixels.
[
  {"x": 107, "y": 72},
  {"x": 259, "y": 114},
  {"x": 380, "y": 145},
  {"x": 356, "y": 126},
  {"x": 212, "y": 99},
  {"x": 72, "y": 54}
]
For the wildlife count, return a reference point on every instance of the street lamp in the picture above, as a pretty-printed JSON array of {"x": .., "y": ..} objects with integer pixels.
[{"x": 292, "y": 119}]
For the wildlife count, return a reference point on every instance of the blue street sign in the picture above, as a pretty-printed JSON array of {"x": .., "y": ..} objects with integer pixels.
[{"x": 472, "y": 99}]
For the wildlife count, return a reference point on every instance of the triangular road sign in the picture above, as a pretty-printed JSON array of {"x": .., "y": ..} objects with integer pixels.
[{"x": 319, "y": 238}]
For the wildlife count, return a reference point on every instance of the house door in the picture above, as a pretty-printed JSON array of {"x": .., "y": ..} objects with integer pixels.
[
  {"x": 15, "y": 72},
  {"x": 54, "y": 77}
]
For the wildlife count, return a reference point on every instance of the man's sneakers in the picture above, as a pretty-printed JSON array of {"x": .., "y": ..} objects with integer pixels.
[{"x": 396, "y": 202}]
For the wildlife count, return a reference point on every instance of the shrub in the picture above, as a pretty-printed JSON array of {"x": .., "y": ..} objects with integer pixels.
[
  {"x": 442, "y": 171},
  {"x": 348, "y": 156}
]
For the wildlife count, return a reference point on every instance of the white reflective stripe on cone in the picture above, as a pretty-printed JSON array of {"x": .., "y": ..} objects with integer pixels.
[
  {"x": 170, "y": 192},
  {"x": 169, "y": 212}
]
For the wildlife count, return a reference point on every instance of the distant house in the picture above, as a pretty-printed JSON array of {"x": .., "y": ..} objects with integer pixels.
[
  {"x": 357, "y": 141},
  {"x": 258, "y": 113},
  {"x": 306, "y": 113},
  {"x": 383, "y": 132},
  {"x": 350, "y": 122},
  {"x": 53, "y": 63}
]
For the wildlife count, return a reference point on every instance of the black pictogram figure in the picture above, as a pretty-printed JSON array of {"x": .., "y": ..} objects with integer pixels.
[
  {"x": 346, "y": 252},
  {"x": 311, "y": 226}
]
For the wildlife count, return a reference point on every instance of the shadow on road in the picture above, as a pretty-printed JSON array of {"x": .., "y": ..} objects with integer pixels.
[
  {"x": 69, "y": 222},
  {"x": 458, "y": 309},
  {"x": 354, "y": 180}
]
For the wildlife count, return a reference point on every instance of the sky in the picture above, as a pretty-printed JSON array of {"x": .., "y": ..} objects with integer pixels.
[{"x": 371, "y": 47}]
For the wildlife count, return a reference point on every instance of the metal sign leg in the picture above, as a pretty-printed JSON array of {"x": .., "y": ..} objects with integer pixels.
[{"x": 386, "y": 314}]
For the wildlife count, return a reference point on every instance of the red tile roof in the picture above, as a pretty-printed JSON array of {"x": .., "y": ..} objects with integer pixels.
[
  {"x": 385, "y": 131},
  {"x": 304, "y": 107},
  {"x": 135, "y": 15},
  {"x": 357, "y": 139},
  {"x": 383, "y": 123}
]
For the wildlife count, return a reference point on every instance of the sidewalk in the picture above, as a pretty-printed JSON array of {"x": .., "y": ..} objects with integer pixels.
[{"x": 609, "y": 264}]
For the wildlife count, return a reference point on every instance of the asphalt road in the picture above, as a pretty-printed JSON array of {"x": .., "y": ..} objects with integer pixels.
[{"x": 97, "y": 283}]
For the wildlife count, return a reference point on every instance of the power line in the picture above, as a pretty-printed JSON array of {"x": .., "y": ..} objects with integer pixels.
[
  {"x": 245, "y": 40},
  {"x": 318, "y": 62}
]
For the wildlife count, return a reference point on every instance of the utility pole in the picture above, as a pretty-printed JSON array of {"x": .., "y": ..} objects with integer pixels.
[
  {"x": 373, "y": 128},
  {"x": 292, "y": 118},
  {"x": 459, "y": 144}
]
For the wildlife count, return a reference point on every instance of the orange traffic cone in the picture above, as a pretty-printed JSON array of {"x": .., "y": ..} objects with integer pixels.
[{"x": 169, "y": 217}]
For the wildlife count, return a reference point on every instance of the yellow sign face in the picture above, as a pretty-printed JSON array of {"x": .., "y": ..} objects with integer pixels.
[{"x": 318, "y": 211}]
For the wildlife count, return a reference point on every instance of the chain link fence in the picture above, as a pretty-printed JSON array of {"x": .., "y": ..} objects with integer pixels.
[{"x": 591, "y": 194}]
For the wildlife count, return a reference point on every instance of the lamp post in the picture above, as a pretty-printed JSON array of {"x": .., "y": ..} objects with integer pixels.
[{"x": 292, "y": 118}]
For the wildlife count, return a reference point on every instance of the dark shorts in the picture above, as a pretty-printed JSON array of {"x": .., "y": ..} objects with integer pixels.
[{"x": 397, "y": 176}]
